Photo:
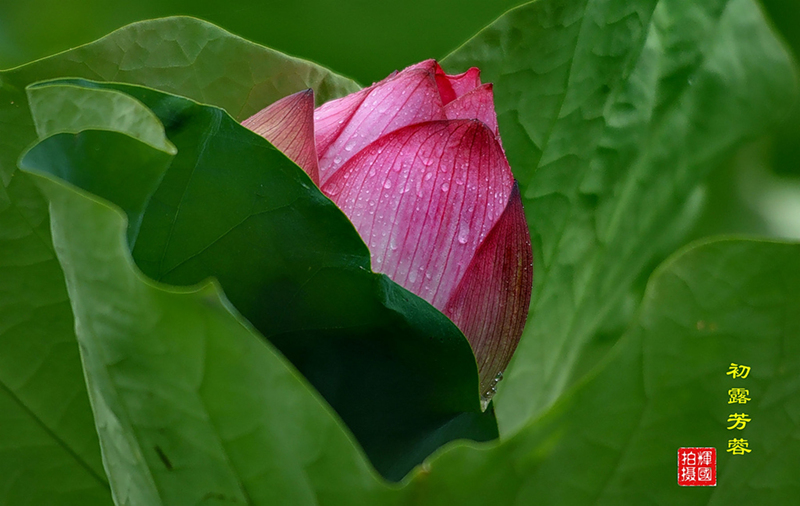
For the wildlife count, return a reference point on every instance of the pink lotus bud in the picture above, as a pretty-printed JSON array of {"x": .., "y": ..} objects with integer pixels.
[{"x": 415, "y": 161}]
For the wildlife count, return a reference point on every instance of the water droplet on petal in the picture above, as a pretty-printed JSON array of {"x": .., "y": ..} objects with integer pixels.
[
  {"x": 412, "y": 276},
  {"x": 463, "y": 232},
  {"x": 334, "y": 188},
  {"x": 387, "y": 184},
  {"x": 445, "y": 187}
]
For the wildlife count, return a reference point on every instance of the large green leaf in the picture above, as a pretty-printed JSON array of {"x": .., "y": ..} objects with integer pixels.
[
  {"x": 191, "y": 404},
  {"x": 613, "y": 440},
  {"x": 178, "y": 55},
  {"x": 233, "y": 207},
  {"x": 611, "y": 118},
  {"x": 40, "y": 372},
  {"x": 48, "y": 447}
]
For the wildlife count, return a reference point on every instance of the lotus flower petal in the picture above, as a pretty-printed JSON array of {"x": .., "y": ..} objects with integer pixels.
[
  {"x": 423, "y": 199},
  {"x": 466, "y": 82},
  {"x": 477, "y": 103},
  {"x": 331, "y": 118},
  {"x": 410, "y": 97},
  {"x": 450, "y": 87},
  {"x": 289, "y": 125},
  {"x": 490, "y": 305}
]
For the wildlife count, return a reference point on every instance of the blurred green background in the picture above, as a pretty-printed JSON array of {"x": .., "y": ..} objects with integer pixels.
[{"x": 756, "y": 192}]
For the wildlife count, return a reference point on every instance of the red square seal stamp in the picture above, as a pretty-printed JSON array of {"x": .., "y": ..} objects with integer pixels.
[{"x": 697, "y": 467}]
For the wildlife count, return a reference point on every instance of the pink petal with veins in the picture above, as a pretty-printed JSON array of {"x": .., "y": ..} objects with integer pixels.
[
  {"x": 347, "y": 125},
  {"x": 289, "y": 125},
  {"x": 424, "y": 198},
  {"x": 477, "y": 103},
  {"x": 332, "y": 117},
  {"x": 490, "y": 305},
  {"x": 466, "y": 82},
  {"x": 450, "y": 87}
]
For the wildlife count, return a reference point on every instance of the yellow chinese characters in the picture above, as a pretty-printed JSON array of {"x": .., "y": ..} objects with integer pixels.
[
  {"x": 739, "y": 421},
  {"x": 738, "y": 371},
  {"x": 738, "y": 395},
  {"x": 738, "y": 446}
]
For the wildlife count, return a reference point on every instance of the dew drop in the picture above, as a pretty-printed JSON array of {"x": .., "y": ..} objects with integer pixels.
[
  {"x": 412, "y": 276},
  {"x": 334, "y": 189},
  {"x": 463, "y": 232},
  {"x": 387, "y": 184},
  {"x": 445, "y": 187},
  {"x": 428, "y": 176},
  {"x": 349, "y": 146},
  {"x": 499, "y": 377}
]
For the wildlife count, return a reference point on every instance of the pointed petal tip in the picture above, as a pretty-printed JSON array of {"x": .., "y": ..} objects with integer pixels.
[
  {"x": 288, "y": 124},
  {"x": 477, "y": 103}
]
